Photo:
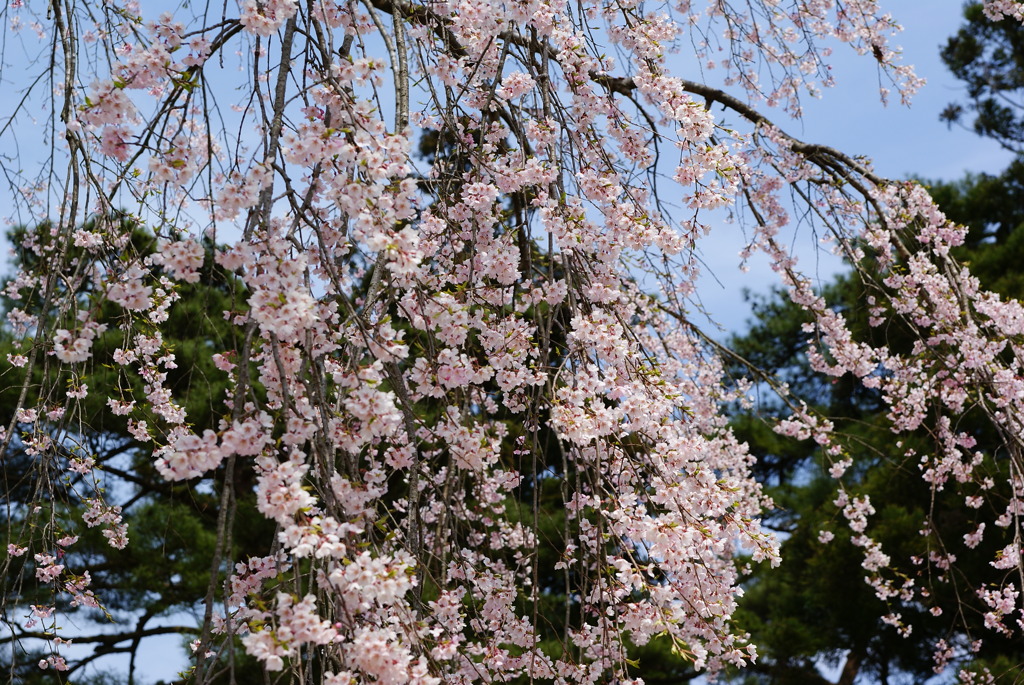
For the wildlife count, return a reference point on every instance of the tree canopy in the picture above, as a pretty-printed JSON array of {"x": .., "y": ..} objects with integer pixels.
[
  {"x": 816, "y": 608},
  {"x": 987, "y": 54},
  {"x": 386, "y": 309}
]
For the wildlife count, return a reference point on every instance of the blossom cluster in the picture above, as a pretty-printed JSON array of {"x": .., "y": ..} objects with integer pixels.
[{"x": 460, "y": 301}]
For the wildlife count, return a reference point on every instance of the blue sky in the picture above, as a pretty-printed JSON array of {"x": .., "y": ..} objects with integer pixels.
[{"x": 902, "y": 141}]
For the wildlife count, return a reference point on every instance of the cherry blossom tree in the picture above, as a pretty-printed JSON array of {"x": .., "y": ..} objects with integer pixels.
[{"x": 429, "y": 346}]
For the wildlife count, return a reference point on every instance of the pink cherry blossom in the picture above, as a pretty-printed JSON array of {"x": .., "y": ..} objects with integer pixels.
[{"x": 459, "y": 244}]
